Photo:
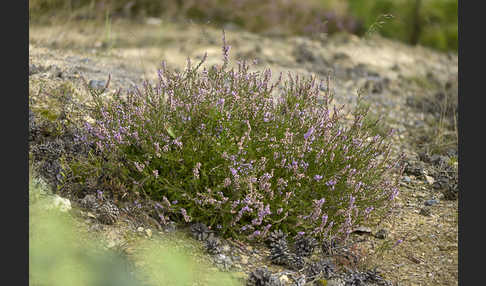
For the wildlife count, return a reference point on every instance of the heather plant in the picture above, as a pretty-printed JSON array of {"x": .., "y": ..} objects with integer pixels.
[{"x": 228, "y": 147}]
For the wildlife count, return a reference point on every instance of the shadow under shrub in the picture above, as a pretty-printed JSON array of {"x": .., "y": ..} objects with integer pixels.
[{"x": 228, "y": 148}]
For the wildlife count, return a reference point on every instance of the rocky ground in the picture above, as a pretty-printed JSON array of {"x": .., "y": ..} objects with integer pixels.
[{"x": 413, "y": 90}]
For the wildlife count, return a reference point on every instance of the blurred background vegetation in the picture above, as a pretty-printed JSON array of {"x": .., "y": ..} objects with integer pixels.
[{"x": 431, "y": 23}]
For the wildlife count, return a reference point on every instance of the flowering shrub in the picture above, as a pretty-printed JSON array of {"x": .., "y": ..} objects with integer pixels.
[{"x": 228, "y": 148}]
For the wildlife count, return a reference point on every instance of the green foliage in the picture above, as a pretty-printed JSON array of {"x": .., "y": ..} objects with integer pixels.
[{"x": 433, "y": 23}]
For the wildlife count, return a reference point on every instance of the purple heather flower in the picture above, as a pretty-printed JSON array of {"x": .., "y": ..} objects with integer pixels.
[
  {"x": 323, "y": 220},
  {"x": 162, "y": 218},
  {"x": 309, "y": 133},
  {"x": 351, "y": 200},
  {"x": 184, "y": 214},
  {"x": 394, "y": 194},
  {"x": 139, "y": 166},
  {"x": 226, "y": 49},
  {"x": 195, "y": 171},
  {"x": 226, "y": 182},
  {"x": 331, "y": 183},
  {"x": 166, "y": 201},
  {"x": 317, "y": 177},
  {"x": 398, "y": 243},
  {"x": 266, "y": 228},
  {"x": 177, "y": 142},
  {"x": 295, "y": 164},
  {"x": 332, "y": 156},
  {"x": 118, "y": 137}
]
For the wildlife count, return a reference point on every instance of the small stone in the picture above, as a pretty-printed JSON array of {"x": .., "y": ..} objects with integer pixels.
[
  {"x": 362, "y": 230},
  {"x": 284, "y": 279},
  {"x": 148, "y": 232},
  {"x": 434, "y": 158},
  {"x": 64, "y": 205},
  {"x": 91, "y": 215},
  {"x": 431, "y": 202},
  {"x": 97, "y": 84},
  {"x": 430, "y": 180},
  {"x": 440, "y": 160},
  {"x": 244, "y": 259},
  {"x": 140, "y": 229},
  {"x": 59, "y": 203},
  {"x": 381, "y": 234}
]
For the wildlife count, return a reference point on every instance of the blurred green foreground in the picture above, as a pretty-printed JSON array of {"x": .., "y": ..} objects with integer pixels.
[{"x": 60, "y": 254}]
